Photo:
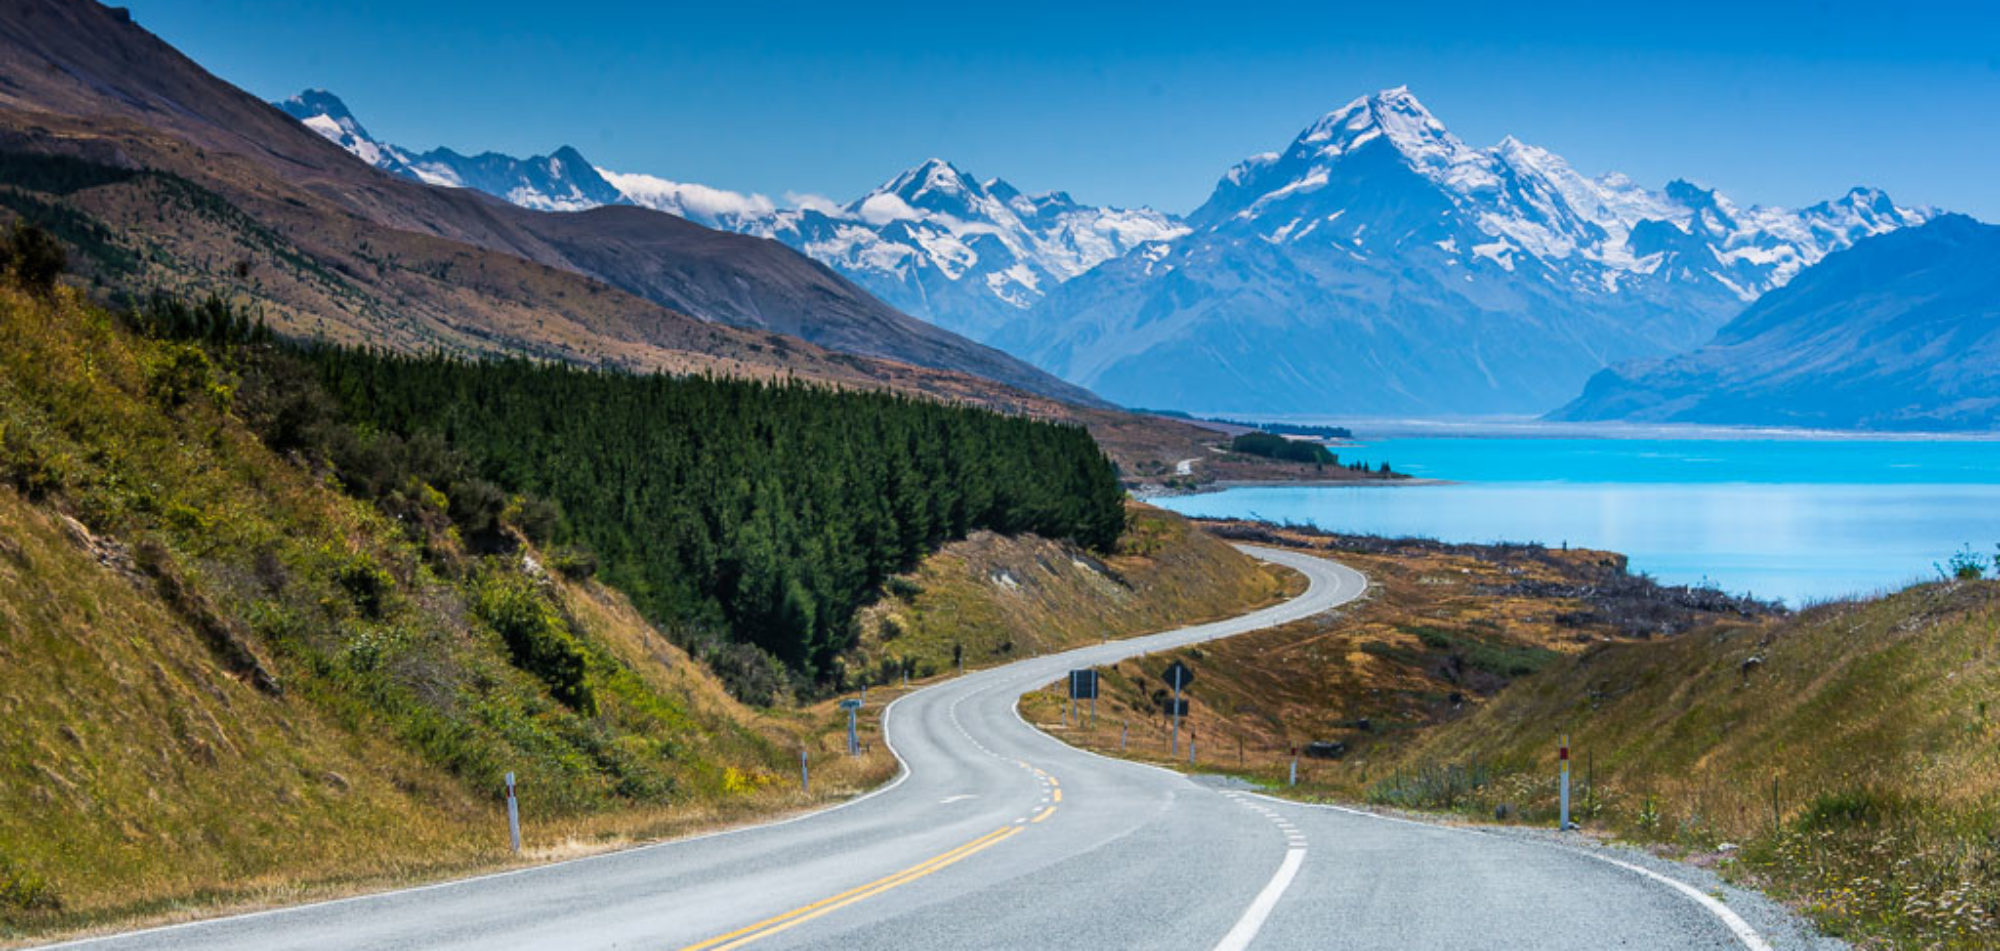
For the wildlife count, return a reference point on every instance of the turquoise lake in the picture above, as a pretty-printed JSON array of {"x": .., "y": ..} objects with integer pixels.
[{"x": 1792, "y": 519}]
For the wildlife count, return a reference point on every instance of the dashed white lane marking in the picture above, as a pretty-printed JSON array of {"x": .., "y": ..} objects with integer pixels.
[
  {"x": 1246, "y": 928},
  {"x": 958, "y": 798}
]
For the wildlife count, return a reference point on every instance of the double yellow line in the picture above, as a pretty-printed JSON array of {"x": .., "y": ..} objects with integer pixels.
[{"x": 805, "y": 913}]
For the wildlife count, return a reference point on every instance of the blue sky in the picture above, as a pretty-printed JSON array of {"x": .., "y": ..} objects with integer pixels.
[{"x": 1773, "y": 102}]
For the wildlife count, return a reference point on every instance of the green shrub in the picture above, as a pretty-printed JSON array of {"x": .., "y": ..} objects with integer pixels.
[
  {"x": 1848, "y": 808},
  {"x": 538, "y": 639},
  {"x": 1278, "y": 447},
  {"x": 368, "y": 584},
  {"x": 32, "y": 257},
  {"x": 22, "y": 889},
  {"x": 576, "y": 564}
]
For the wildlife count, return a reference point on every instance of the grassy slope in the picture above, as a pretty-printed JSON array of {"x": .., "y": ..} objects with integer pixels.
[
  {"x": 1871, "y": 718},
  {"x": 147, "y": 775},
  {"x": 1874, "y": 719},
  {"x": 1002, "y": 598},
  {"x": 1430, "y": 642},
  {"x": 145, "y": 768}
]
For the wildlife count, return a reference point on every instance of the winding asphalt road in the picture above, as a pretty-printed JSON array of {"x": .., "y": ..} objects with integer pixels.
[{"x": 997, "y": 835}]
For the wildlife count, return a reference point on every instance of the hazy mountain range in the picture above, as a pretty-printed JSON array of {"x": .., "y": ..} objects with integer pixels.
[
  {"x": 160, "y": 175},
  {"x": 1377, "y": 264},
  {"x": 933, "y": 241},
  {"x": 1899, "y": 332}
]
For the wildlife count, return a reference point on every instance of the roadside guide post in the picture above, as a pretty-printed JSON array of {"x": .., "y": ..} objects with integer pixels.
[
  {"x": 1562, "y": 758},
  {"x": 1177, "y": 675},
  {"x": 1295, "y": 765},
  {"x": 805, "y": 774},
  {"x": 851, "y": 705},
  {"x": 1124, "y": 730},
  {"x": 513, "y": 816}
]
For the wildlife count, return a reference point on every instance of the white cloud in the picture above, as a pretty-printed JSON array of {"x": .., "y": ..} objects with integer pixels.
[
  {"x": 883, "y": 208},
  {"x": 689, "y": 200},
  {"x": 807, "y": 201}
]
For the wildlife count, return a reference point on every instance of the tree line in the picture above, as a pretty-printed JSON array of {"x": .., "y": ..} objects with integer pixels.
[{"x": 775, "y": 509}]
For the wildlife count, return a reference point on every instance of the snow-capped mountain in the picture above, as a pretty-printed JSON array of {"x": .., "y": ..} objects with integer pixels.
[
  {"x": 934, "y": 242},
  {"x": 968, "y": 255},
  {"x": 1899, "y": 332},
  {"x": 1378, "y": 264},
  {"x": 561, "y": 181}
]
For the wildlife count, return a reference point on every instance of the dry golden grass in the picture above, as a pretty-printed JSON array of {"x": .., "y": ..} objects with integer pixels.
[{"x": 997, "y": 599}]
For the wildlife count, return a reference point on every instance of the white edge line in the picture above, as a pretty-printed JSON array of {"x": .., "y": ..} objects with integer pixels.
[
  {"x": 902, "y": 773},
  {"x": 1728, "y": 916},
  {"x": 1245, "y": 931}
]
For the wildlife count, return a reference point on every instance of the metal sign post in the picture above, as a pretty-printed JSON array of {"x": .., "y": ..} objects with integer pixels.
[
  {"x": 851, "y": 705},
  {"x": 513, "y": 816}
]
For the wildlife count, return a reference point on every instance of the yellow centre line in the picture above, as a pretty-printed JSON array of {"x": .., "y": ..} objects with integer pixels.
[
  {"x": 1058, "y": 795},
  {"x": 803, "y": 914},
  {"x": 1043, "y": 815}
]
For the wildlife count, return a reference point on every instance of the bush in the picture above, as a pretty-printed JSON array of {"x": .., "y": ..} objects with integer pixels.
[
  {"x": 367, "y": 584},
  {"x": 23, "y": 890},
  {"x": 538, "y": 639},
  {"x": 1287, "y": 450},
  {"x": 751, "y": 674},
  {"x": 1967, "y": 565},
  {"x": 32, "y": 257},
  {"x": 576, "y": 564},
  {"x": 1849, "y": 808},
  {"x": 27, "y": 465}
]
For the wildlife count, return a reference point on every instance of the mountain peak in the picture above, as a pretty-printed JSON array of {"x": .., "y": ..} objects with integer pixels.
[
  {"x": 1395, "y": 115},
  {"x": 932, "y": 175},
  {"x": 317, "y": 102}
]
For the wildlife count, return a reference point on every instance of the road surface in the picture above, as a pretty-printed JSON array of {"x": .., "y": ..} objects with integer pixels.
[{"x": 997, "y": 835}]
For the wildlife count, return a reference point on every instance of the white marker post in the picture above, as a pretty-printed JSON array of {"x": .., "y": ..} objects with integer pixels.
[
  {"x": 513, "y": 816},
  {"x": 805, "y": 775},
  {"x": 1124, "y": 730},
  {"x": 1295, "y": 765},
  {"x": 1562, "y": 757}
]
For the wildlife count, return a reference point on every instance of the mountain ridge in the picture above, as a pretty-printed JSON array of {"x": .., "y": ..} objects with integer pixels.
[
  {"x": 364, "y": 254},
  {"x": 1894, "y": 333},
  {"x": 1375, "y": 223},
  {"x": 1328, "y": 276},
  {"x": 934, "y": 241}
]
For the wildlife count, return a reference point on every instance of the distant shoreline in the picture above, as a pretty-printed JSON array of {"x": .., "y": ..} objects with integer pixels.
[
  {"x": 1367, "y": 429},
  {"x": 1223, "y": 484}
]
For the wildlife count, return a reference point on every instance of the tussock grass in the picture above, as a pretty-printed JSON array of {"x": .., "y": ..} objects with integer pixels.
[
  {"x": 991, "y": 599},
  {"x": 1849, "y": 751}
]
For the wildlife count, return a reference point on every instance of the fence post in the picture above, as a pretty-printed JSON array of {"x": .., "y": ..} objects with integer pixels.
[
  {"x": 1562, "y": 757},
  {"x": 513, "y": 816}
]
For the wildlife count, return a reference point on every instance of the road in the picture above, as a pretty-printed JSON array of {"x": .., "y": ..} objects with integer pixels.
[{"x": 997, "y": 835}]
